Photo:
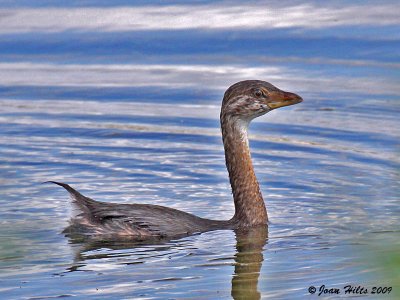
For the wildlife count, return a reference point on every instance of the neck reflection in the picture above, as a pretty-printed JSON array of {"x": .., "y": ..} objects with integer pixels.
[{"x": 248, "y": 262}]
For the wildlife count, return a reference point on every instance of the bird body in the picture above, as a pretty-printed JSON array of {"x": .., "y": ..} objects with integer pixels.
[
  {"x": 97, "y": 218},
  {"x": 242, "y": 102}
]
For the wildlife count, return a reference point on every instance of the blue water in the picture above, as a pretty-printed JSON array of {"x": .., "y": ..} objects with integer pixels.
[{"x": 121, "y": 100}]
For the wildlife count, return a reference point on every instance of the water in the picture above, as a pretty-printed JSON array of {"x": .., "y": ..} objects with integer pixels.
[{"x": 122, "y": 102}]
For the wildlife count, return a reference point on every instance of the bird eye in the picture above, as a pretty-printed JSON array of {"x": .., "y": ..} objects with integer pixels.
[{"x": 258, "y": 93}]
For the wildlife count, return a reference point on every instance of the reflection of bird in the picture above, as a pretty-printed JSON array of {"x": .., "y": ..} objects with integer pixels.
[
  {"x": 242, "y": 102},
  {"x": 248, "y": 262}
]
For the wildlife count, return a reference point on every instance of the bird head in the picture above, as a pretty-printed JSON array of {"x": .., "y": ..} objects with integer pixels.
[{"x": 249, "y": 99}]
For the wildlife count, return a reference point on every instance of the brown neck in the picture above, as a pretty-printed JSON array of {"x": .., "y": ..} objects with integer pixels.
[{"x": 249, "y": 204}]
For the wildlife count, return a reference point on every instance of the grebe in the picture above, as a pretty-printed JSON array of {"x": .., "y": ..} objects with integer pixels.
[{"x": 242, "y": 102}]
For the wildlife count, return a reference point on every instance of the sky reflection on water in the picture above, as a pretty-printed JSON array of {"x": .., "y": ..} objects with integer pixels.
[{"x": 122, "y": 101}]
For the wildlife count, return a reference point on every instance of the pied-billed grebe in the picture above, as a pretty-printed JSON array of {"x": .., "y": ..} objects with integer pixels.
[{"x": 242, "y": 102}]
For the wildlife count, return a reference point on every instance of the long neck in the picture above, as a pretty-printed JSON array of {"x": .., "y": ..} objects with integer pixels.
[{"x": 249, "y": 204}]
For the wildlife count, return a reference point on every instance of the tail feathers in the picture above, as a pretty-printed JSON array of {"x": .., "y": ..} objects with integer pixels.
[
  {"x": 85, "y": 204},
  {"x": 70, "y": 190}
]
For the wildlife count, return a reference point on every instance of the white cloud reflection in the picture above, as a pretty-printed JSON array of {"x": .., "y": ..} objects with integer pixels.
[
  {"x": 204, "y": 77},
  {"x": 210, "y": 16}
]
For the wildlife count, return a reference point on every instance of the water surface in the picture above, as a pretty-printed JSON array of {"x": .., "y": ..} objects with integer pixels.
[{"x": 122, "y": 102}]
